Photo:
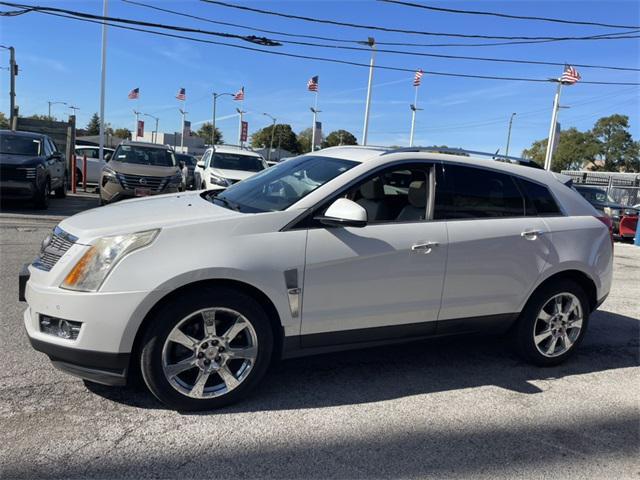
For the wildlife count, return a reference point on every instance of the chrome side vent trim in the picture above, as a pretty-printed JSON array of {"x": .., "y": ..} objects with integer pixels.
[{"x": 293, "y": 291}]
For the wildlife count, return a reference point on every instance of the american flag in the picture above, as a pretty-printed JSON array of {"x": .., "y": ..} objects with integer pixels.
[
  {"x": 570, "y": 75},
  {"x": 417, "y": 78},
  {"x": 312, "y": 84},
  {"x": 239, "y": 94},
  {"x": 134, "y": 94},
  {"x": 182, "y": 94}
]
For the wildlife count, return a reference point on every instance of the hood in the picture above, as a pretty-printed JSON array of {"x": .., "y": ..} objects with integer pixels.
[
  {"x": 143, "y": 214},
  {"x": 232, "y": 174},
  {"x": 144, "y": 170},
  {"x": 19, "y": 160}
]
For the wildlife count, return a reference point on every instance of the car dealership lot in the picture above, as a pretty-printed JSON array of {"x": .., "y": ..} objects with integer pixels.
[{"x": 455, "y": 408}]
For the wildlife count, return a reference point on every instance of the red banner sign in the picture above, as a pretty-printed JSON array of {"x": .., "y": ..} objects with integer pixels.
[
  {"x": 244, "y": 132},
  {"x": 140, "y": 132}
]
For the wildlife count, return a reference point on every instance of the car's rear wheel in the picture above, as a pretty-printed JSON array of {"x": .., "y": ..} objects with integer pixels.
[
  {"x": 61, "y": 191},
  {"x": 206, "y": 349},
  {"x": 553, "y": 323}
]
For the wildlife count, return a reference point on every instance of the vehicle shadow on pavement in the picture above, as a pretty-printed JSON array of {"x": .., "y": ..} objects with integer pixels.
[
  {"x": 388, "y": 372},
  {"x": 58, "y": 207}
]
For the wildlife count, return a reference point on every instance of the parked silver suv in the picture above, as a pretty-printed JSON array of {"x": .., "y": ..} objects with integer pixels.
[{"x": 138, "y": 169}]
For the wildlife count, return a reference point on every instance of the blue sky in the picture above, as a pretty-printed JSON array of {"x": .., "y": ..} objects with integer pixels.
[{"x": 60, "y": 61}]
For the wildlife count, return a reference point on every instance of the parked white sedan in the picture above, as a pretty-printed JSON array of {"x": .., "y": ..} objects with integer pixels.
[
  {"x": 226, "y": 165},
  {"x": 94, "y": 165},
  {"x": 345, "y": 247}
]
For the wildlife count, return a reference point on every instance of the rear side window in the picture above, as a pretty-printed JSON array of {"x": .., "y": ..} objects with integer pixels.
[
  {"x": 466, "y": 193},
  {"x": 542, "y": 200}
]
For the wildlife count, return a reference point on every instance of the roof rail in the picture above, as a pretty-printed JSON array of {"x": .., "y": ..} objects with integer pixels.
[{"x": 460, "y": 151}]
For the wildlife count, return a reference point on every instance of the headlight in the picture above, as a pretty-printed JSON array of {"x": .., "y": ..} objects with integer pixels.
[
  {"x": 110, "y": 174},
  {"x": 223, "y": 182},
  {"x": 91, "y": 270}
]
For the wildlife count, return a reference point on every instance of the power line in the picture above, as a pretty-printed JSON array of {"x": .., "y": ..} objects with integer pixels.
[
  {"x": 396, "y": 52},
  {"x": 505, "y": 15},
  {"x": 395, "y": 30},
  {"x": 309, "y": 57}
]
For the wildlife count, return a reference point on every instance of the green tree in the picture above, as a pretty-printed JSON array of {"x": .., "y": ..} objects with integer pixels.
[
  {"x": 339, "y": 137},
  {"x": 617, "y": 150},
  {"x": 283, "y": 137},
  {"x": 575, "y": 150},
  {"x": 43, "y": 117},
  {"x": 304, "y": 140},
  {"x": 93, "y": 127},
  {"x": 4, "y": 121},
  {"x": 205, "y": 133},
  {"x": 122, "y": 133}
]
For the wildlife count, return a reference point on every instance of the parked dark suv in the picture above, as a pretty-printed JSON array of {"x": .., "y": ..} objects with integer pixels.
[
  {"x": 602, "y": 201},
  {"x": 138, "y": 169},
  {"x": 30, "y": 168}
]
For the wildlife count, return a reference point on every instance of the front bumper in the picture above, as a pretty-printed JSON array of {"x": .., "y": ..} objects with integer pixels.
[
  {"x": 99, "y": 367},
  {"x": 18, "y": 189}
]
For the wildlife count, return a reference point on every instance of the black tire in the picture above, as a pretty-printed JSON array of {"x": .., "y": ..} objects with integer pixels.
[
  {"x": 524, "y": 330},
  {"x": 61, "y": 191},
  {"x": 42, "y": 197},
  {"x": 181, "y": 307}
]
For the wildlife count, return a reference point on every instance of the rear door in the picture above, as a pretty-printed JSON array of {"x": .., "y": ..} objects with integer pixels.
[{"x": 497, "y": 248}]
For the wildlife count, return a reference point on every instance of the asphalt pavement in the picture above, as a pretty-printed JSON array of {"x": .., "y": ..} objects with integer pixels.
[{"x": 463, "y": 408}]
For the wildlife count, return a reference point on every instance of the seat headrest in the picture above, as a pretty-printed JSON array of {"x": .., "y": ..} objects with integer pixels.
[
  {"x": 373, "y": 189},
  {"x": 418, "y": 194}
]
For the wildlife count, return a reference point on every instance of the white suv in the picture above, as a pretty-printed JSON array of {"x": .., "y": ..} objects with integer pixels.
[
  {"x": 225, "y": 165},
  {"x": 345, "y": 247}
]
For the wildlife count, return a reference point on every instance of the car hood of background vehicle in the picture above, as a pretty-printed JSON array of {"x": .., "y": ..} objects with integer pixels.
[
  {"x": 144, "y": 214},
  {"x": 19, "y": 160},
  {"x": 232, "y": 174},
  {"x": 141, "y": 169}
]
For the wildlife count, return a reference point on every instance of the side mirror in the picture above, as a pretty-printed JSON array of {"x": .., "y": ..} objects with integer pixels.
[
  {"x": 200, "y": 164},
  {"x": 344, "y": 213},
  {"x": 107, "y": 156},
  {"x": 56, "y": 156}
]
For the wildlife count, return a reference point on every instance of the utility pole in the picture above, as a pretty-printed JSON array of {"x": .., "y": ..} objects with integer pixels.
[
  {"x": 103, "y": 79},
  {"x": 54, "y": 103},
  {"x": 372, "y": 43},
  {"x": 240, "y": 112},
  {"x": 184, "y": 113},
  {"x": 73, "y": 110},
  {"x": 154, "y": 135},
  {"x": 13, "y": 72},
  {"x": 552, "y": 127},
  {"x": 273, "y": 130},
  {"x": 213, "y": 119},
  {"x": 509, "y": 133}
]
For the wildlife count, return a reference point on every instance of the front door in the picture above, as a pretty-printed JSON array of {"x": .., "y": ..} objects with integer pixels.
[{"x": 381, "y": 281}]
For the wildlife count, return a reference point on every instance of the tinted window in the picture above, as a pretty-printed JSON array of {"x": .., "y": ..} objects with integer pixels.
[
  {"x": 188, "y": 160},
  {"x": 48, "y": 151},
  {"x": 467, "y": 192},
  {"x": 232, "y": 161},
  {"x": 19, "y": 145},
  {"x": 542, "y": 200},
  {"x": 144, "y": 156}
]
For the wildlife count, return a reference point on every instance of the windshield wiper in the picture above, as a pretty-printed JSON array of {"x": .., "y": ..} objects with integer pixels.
[{"x": 227, "y": 203}]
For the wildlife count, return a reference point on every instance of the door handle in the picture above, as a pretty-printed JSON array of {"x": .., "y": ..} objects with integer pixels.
[
  {"x": 423, "y": 247},
  {"x": 531, "y": 234}
]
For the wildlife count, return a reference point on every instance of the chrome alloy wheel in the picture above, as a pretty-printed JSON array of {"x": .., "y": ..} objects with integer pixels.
[
  {"x": 209, "y": 352},
  {"x": 558, "y": 324}
]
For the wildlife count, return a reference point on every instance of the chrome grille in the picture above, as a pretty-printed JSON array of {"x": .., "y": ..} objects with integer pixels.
[
  {"x": 9, "y": 172},
  {"x": 54, "y": 246},
  {"x": 130, "y": 182}
]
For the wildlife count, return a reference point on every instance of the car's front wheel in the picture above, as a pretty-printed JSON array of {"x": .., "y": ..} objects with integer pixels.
[
  {"x": 42, "y": 196},
  {"x": 553, "y": 323},
  {"x": 206, "y": 349}
]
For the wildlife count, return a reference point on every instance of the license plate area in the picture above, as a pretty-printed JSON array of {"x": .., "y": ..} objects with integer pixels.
[{"x": 142, "y": 192}]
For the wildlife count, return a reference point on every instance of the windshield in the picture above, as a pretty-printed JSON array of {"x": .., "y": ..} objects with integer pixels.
[
  {"x": 19, "y": 145},
  {"x": 234, "y": 161},
  {"x": 140, "y": 155},
  {"x": 188, "y": 160},
  {"x": 282, "y": 185}
]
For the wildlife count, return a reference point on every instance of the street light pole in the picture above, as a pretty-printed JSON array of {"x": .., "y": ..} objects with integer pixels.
[
  {"x": 273, "y": 129},
  {"x": 54, "y": 103},
  {"x": 509, "y": 134},
  {"x": 552, "y": 127},
  {"x": 154, "y": 136},
  {"x": 213, "y": 119},
  {"x": 184, "y": 113},
  {"x": 73, "y": 109},
  {"x": 313, "y": 128},
  {"x": 103, "y": 79},
  {"x": 372, "y": 43},
  {"x": 240, "y": 112},
  {"x": 13, "y": 71},
  {"x": 136, "y": 113}
]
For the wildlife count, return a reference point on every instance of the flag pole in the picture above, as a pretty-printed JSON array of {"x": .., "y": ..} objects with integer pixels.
[
  {"x": 136, "y": 113},
  {"x": 103, "y": 75},
  {"x": 313, "y": 126},
  {"x": 372, "y": 43},
  {"x": 414, "y": 109},
  {"x": 552, "y": 127}
]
